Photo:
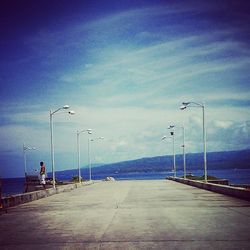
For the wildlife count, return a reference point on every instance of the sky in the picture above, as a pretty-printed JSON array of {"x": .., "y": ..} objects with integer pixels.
[{"x": 124, "y": 67}]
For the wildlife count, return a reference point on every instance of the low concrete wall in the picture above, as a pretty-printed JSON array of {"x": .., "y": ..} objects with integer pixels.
[
  {"x": 238, "y": 192},
  {"x": 18, "y": 199},
  {"x": 219, "y": 181}
]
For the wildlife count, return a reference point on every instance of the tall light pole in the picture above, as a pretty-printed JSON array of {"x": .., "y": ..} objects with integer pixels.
[
  {"x": 173, "y": 136},
  {"x": 174, "y": 166},
  {"x": 183, "y": 147},
  {"x": 26, "y": 148},
  {"x": 200, "y": 105},
  {"x": 184, "y": 152},
  {"x": 78, "y": 150},
  {"x": 52, "y": 139},
  {"x": 90, "y": 140}
]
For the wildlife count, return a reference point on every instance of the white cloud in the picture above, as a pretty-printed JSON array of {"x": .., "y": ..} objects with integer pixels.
[
  {"x": 127, "y": 82},
  {"x": 222, "y": 124}
]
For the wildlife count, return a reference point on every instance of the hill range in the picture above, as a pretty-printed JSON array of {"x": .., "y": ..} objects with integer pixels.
[{"x": 194, "y": 161}]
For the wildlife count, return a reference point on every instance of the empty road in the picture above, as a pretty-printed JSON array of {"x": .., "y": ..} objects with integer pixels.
[{"x": 158, "y": 214}]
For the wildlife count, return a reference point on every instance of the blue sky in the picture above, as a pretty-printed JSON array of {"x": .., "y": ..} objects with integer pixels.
[{"x": 124, "y": 67}]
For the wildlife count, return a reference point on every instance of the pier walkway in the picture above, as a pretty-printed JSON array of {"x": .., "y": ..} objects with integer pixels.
[{"x": 155, "y": 214}]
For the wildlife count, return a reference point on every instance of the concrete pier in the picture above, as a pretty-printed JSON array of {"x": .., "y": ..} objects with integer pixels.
[{"x": 159, "y": 214}]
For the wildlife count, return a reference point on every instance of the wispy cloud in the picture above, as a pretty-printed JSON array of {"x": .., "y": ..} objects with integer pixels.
[{"x": 125, "y": 74}]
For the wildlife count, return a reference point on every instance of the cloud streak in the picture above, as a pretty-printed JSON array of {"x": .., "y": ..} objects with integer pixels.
[{"x": 125, "y": 73}]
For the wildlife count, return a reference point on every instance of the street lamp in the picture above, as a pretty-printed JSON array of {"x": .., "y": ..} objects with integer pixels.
[
  {"x": 52, "y": 138},
  {"x": 26, "y": 148},
  {"x": 173, "y": 136},
  {"x": 165, "y": 137},
  {"x": 90, "y": 140},
  {"x": 200, "y": 105},
  {"x": 183, "y": 146},
  {"x": 184, "y": 152},
  {"x": 78, "y": 149}
]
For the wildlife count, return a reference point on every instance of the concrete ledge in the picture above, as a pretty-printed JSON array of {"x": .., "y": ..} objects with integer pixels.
[
  {"x": 18, "y": 199},
  {"x": 220, "y": 181},
  {"x": 238, "y": 192}
]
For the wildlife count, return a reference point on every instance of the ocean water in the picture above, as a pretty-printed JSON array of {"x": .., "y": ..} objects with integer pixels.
[
  {"x": 11, "y": 186},
  {"x": 14, "y": 186}
]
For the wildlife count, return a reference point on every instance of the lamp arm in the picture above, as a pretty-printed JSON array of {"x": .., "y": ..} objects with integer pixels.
[
  {"x": 52, "y": 113},
  {"x": 197, "y": 104}
]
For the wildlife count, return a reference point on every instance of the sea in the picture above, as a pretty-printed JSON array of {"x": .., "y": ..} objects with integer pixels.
[{"x": 12, "y": 186}]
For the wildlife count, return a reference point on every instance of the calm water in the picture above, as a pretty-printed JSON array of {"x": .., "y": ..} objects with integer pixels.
[
  {"x": 235, "y": 176},
  {"x": 12, "y": 186}
]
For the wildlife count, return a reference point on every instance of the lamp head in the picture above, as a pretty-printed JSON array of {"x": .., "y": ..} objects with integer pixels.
[
  {"x": 185, "y": 103},
  {"x": 71, "y": 112},
  {"x": 65, "y": 106},
  {"x": 182, "y": 107},
  {"x": 29, "y": 148},
  {"x": 171, "y": 126},
  {"x": 164, "y": 137},
  {"x": 90, "y": 132},
  {"x": 98, "y": 138}
]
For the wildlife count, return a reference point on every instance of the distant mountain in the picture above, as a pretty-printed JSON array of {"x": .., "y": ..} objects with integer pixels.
[{"x": 194, "y": 161}]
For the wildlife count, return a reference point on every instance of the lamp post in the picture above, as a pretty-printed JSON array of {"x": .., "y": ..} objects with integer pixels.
[
  {"x": 174, "y": 167},
  {"x": 52, "y": 139},
  {"x": 26, "y": 148},
  {"x": 90, "y": 140},
  {"x": 200, "y": 105},
  {"x": 78, "y": 150},
  {"x": 184, "y": 152},
  {"x": 183, "y": 146},
  {"x": 173, "y": 136}
]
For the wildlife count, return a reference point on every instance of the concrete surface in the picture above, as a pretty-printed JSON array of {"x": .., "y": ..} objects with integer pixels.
[{"x": 156, "y": 214}]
